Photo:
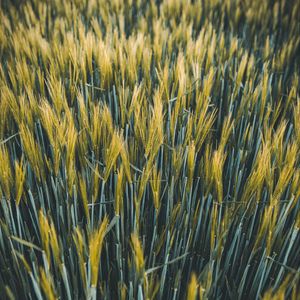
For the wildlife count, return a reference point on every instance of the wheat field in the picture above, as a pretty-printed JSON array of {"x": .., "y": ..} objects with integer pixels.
[{"x": 150, "y": 149}]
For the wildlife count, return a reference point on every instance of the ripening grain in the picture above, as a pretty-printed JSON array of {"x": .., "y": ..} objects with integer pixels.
[{"x": 149, "y": 149}]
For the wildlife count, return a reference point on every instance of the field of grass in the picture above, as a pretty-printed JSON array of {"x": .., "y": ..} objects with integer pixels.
[{"x": 150, "y": 149}]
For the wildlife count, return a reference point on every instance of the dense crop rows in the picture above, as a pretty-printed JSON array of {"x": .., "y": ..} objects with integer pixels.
[{"x": 149, "y": 149}]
